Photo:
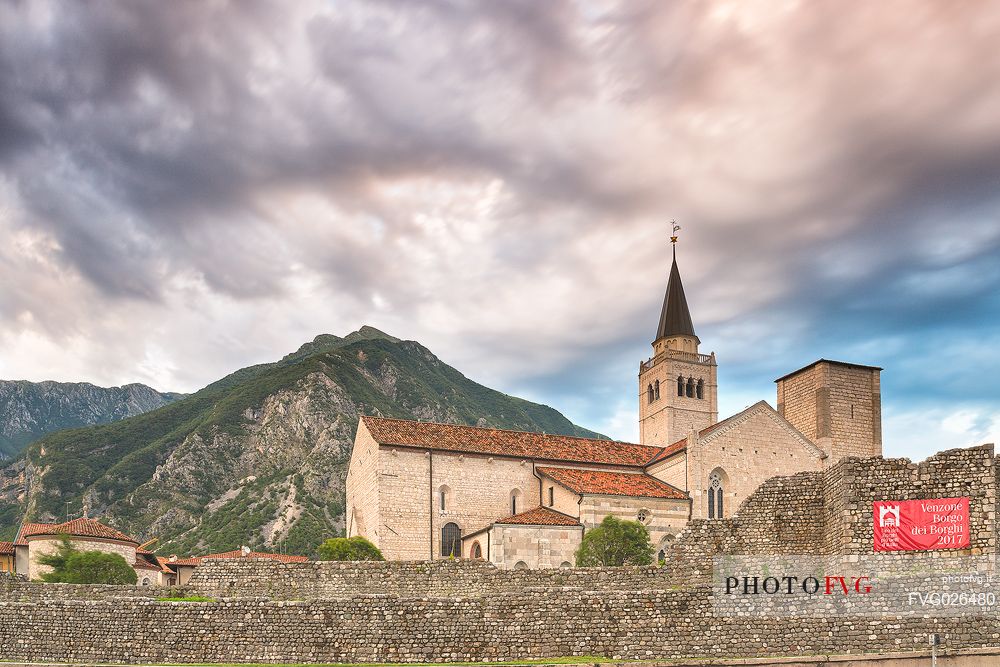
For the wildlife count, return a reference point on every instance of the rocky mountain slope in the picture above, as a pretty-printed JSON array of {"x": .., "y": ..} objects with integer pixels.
[
  {"x": 257, "y": 458},
  {"x": 30, "y": 410}
]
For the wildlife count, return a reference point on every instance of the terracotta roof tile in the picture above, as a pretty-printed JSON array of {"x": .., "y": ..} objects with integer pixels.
[
  {"x": 193, "y": 561},
  {"x": 145, "y": 564},
  {"x": 6, "y": 548},
  {"x": 637, "y": 485},
  {"x": 499, "y": 442},
  {"x": 666, "y": 452},
  {"x": 541, "y": 516},
  {"x": 77, "y": 528}
]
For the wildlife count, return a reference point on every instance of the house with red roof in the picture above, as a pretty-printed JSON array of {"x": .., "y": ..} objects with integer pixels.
[
  {"x": 37, "y": 539},
  {"x": 422, "y": 490},
  {"x": 86, "y": 534}
]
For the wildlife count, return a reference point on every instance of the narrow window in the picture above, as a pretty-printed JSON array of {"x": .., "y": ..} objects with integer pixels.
[
  {"x": 649, "y": 394},
  {"x": 701, "y": 389},
  {"x": 443, "y": 502},
  {"x": 515, "y": 497},
  {"x": 451, "y": 540},
  {"x": 690, "y": 388},
  {"x": 680, "y": 386},
  {"x": 552, "y": 496},
  {"x": 715, "y": 493},
  {"x": 656, "y": 394}
]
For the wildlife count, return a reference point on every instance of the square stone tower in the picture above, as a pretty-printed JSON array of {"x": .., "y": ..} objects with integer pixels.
[
  {"x": 836, "y": 405},
  {"x": 678, "y": 389}
]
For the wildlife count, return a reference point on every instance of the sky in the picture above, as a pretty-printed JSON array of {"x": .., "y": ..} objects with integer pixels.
[{"x": 187, "y": 188}]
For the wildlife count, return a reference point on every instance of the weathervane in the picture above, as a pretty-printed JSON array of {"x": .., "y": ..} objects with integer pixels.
[{"x": 673, "y": 237}]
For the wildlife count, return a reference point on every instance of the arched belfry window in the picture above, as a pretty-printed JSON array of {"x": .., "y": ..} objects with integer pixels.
[
  {"x": 690, "y": 388},
  {"x": 680, "y": 385},
  {"x": 715, "y": 495},
  {"x": 656, "y": 390},
  {"x": 649, "y": 394},
  {"x": 700, "y": 389},
  {"x": 451, "y": 540}
]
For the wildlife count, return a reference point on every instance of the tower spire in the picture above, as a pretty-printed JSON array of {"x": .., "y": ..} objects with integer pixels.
[{"x": 675, "y": 317}]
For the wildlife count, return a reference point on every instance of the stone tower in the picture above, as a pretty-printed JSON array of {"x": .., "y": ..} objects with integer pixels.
[
  {"x": 678, "y": 391},
  {"x": 836, "y": 405}
]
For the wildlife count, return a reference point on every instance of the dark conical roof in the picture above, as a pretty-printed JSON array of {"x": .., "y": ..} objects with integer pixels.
[{"x": 675, "y": 318}]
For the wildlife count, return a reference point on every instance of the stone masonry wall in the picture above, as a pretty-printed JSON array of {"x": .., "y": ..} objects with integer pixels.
[
  {"x": 449, "y": 611},
  {"x": 408, "y": 579},
  {"x": 14, "y": 590},
  {"x": 754, "y": 447},
  {"x": 837, "y": 406},
  {"x": 616, "y": 624}
]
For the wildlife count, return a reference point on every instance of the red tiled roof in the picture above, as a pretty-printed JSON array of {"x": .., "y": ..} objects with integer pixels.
[
  {"x": 637, "y": 485},
  {"x": 667, "y": 452},
  {"x": 141, "y": 562},
  {"x": 76, "y": 528},
  {"x": 541, "y": 516},
  {"x": 499, "y": 442},
  {"x": 193, "y": 561},
  {"x": 284, "y": 558},
  {"x": 6, "y": 548},
  {"x": 162, "y": 562}
]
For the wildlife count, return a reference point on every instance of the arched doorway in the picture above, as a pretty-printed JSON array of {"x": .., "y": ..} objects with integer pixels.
[{"x": 477, "y": 551}]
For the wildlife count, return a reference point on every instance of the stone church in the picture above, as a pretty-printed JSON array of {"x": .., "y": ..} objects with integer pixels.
[{"x": 422, "y": 490}]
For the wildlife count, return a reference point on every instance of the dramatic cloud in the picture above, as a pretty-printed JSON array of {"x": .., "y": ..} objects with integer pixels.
[{"x": 186, "y": 188}]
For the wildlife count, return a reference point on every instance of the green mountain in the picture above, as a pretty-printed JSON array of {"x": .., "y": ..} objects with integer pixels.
[
  {"x": 30, "y": 410},
  {"x": 257, "y": 458}
]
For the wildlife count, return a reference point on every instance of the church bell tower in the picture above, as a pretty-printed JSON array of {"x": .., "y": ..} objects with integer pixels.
[{"x": 678, "y": 390}]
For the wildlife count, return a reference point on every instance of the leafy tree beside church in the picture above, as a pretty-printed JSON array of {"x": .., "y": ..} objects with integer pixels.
[
  {"x": 615, "y": 543},
  {"x": 72, "y": 566}
]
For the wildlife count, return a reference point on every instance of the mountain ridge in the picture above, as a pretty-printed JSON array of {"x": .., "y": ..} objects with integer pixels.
[
  {"x": 258, "y": 457},
  {"x": 30, "y": 410}
]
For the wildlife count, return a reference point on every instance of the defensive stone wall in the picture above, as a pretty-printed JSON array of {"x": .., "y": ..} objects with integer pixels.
[
  {"x": 615, "y": 624},
  {"x": 18, "y": 590},
  {"x": 409, "y": 579},
  {"x": 469, "y": 611}
]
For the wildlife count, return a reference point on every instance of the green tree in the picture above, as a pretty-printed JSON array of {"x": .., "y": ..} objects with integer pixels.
[
  {"x": 72, "y": 566},
  {"x": 348, "y": 548},
  {"x": 615, "y": 543}
]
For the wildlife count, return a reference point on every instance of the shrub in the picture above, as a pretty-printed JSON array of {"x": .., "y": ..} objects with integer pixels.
[
  {"x": 348, "y": 548},
  {"x": 615, "y": 543},
  {"x": 72, "y": 566}
]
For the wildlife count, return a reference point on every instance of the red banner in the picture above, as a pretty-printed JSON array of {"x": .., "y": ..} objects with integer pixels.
[{"x": 921, "y": 525}]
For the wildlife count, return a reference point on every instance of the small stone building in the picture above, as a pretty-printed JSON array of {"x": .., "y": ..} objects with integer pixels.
[
  {"x": 422, "y": 490},
  {"x": 37, "y": 539}
]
